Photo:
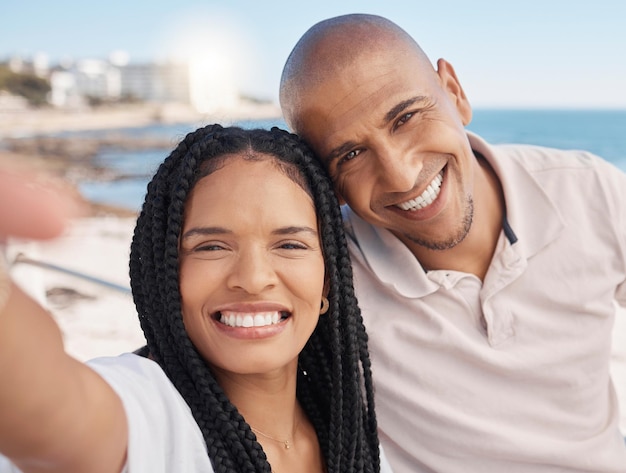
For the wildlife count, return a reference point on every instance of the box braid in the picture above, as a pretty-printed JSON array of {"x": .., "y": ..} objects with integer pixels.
[{"x": 334, "y": 366}]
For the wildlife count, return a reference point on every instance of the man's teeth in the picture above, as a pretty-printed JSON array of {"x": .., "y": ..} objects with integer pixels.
[
  {"x": 427, "y": 197},
  {"x": 255, "y": 319}
]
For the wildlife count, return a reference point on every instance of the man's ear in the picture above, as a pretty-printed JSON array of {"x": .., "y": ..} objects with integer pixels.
[
  {"x": 452, "y": 86},
  {"x": 341, "y": 200}
]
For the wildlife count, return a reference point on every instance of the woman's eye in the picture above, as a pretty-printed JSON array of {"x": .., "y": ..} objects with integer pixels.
[{"x": 292, "y": 245}]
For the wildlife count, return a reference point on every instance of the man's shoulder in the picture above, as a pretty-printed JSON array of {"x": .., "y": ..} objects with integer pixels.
[
  {"x": 533, "y": 158},
  {"x": 541, "y": 158}
]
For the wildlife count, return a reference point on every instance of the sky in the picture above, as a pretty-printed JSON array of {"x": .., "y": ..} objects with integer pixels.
[{"x": 533, "y": 54}]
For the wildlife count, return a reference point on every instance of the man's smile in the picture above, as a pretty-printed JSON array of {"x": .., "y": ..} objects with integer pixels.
[{"x": 425, "y": 198}]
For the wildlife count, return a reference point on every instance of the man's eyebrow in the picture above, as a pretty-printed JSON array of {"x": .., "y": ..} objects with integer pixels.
[
  {"x": 389, "y": 116},
  {"x": 204, "y": 231},
  {"x": 339, "y": 151},
  {"x": 396, "y": 109}
]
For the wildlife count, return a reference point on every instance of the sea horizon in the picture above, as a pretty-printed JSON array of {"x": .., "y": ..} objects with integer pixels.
[{"x": 599, "y": 131}]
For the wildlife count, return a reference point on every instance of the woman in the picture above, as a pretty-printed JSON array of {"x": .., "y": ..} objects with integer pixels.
[{"x": 256, "y": 356}]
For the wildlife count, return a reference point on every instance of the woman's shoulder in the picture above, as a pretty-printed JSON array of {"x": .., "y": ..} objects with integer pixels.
[
  {"x": 385, "y": 467},
  {"x": 130, "y": 370},
  {"x": 159, "y": 419}
]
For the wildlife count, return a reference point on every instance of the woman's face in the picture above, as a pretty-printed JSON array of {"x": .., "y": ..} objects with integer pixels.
[{"x": 251, "y": 267}]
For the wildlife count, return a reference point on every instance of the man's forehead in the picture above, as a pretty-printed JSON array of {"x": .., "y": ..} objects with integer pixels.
[{"x": 359, "y": 95}]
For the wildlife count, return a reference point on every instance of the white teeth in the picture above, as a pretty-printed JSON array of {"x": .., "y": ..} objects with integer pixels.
[
  {"x": 256, "y": 319},
  {"x": 427, "y": 197}
]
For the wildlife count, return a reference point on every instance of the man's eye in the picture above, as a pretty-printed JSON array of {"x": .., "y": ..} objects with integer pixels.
[
  {"x": 349, "y": 156},
  {"x": 403, "y": 119},
  {"x": 208, "y": 247}
]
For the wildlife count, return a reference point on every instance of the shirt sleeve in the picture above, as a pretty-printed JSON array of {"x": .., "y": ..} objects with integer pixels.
[
  {"x": 615, "y": 188},
  {"x": 163, "y": 435},
  {"x": 6, "y": 466},
  {"x": 385, "y": 467}
]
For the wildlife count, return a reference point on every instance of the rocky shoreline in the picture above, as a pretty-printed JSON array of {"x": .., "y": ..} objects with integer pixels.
[
  {"x": 64, "y": 155},
  {"x": 32, "y": 139}
]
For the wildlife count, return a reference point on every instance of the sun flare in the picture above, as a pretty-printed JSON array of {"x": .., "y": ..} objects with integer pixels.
[{"x": 215, "y": 49}]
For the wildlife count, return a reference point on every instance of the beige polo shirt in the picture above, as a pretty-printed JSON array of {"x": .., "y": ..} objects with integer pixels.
[{"x": 510, "y": 375}]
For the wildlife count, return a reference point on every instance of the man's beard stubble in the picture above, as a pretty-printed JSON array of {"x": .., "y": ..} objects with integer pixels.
[{"x": 453, "y": 240}]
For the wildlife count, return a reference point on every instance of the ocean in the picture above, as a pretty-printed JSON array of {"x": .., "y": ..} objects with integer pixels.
[{"x": 602, "y": 132}]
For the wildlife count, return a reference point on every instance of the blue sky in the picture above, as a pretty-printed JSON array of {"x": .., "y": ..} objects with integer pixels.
[{"x": 531, "y": 54}]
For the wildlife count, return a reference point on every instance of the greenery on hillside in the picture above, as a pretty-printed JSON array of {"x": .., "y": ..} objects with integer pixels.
[{"x": 31, "y": 87}]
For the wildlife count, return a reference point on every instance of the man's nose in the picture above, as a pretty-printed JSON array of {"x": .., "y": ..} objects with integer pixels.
[
  {"x": 398, "y": 168},
  {"x": 253, "y": 271}
]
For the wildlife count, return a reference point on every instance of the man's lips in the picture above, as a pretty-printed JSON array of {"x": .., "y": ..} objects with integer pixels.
[{"x": 427, "y": 197}]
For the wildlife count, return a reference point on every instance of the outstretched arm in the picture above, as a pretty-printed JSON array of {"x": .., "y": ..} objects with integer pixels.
[{"x": 56, "y": 414}]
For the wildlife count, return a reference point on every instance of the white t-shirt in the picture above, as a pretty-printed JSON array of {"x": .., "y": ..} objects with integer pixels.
[{"x": 163, "y": 435}]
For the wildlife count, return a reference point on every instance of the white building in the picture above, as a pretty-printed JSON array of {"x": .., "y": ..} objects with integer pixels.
[
  {"x": 207, "y": 86},
  {"x": 88, "y": 78},
  {"x": 150, "y": 82}
]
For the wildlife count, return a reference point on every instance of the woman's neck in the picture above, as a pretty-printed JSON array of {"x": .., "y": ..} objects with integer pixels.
[
  {"x": 269, "y": 405},
  {"x": 267, "y": 401}
]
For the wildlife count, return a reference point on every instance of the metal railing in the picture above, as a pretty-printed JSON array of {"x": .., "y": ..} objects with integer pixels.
[{"x": 23, "y": 259}]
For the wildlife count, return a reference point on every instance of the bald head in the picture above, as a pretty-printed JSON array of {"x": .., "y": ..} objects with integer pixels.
[{"x": 329, "y": 48}]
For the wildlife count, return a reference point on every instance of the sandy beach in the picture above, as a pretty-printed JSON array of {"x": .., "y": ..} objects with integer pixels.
[{"x": 98, "y": 318}]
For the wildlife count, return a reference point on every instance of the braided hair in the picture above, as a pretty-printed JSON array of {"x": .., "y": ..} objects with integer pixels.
[{"x": 334, "y": 384}]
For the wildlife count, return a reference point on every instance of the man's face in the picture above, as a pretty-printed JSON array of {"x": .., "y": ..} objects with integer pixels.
[{"x": 391, "y": 132}]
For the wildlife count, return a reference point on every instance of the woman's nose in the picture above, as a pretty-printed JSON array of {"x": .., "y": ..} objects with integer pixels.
[{"x": 253, "y": 271}]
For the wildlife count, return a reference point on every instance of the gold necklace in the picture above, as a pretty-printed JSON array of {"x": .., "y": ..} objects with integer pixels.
[{"x": 286, "y": 443}]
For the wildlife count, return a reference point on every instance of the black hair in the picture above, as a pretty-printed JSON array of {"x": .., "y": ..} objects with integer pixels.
[{"x": 334, "y": 383}]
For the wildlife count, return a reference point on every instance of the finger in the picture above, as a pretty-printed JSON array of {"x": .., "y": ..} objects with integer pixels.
[{"x": 31, "y": 207}]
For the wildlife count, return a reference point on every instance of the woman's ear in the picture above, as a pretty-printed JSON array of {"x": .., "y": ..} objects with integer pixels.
[
  {"x": 325, "y": 291},
  {"x": 450, "y": 84},
  {"x": 326, "y": 288}
]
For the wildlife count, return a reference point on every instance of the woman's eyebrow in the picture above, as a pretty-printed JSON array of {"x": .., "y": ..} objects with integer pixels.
[
  {"x": 205, "y": 231},
  {"x": 291, "y": 230}
]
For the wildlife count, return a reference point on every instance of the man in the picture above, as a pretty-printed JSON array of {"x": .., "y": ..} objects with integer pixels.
[{"x": 487, "y": 275}]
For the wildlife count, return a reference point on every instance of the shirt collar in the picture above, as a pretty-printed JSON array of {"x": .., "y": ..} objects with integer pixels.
[
  {"x": 530, "y": 213},
  {"x": 388, "y": 258}
]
